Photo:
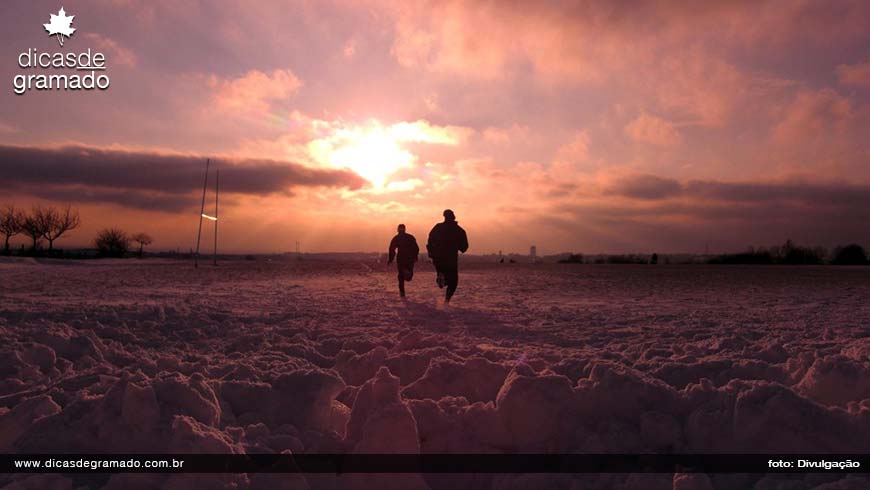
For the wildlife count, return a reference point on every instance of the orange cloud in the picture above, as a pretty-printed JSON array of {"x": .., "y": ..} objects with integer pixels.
[
  {"x": 697, "y": 89},
  {"x": 531, "y": 107},
  {"x": 254, "y": 91},
  {"x": 813, "y": 115},
  {"x": 576, "y": 150},
  {"x": 857, "y": 74},
  {"x": 349, "y": 49},
  {"x": 115, "y": 53},
  {"x": 484, "y": 40},
  {"x": 653, "y": 130}
]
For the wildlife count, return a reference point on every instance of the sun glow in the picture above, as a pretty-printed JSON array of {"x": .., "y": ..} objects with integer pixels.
[
  {"x": 375, "y": 151},
  {"x": 374, "y": 154}
]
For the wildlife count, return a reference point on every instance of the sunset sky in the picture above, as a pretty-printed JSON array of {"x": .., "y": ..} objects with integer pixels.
[{"x": 576, "y": 126}]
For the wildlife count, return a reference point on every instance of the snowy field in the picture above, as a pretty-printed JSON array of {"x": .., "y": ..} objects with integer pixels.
[{"x": 156, "y": 356}]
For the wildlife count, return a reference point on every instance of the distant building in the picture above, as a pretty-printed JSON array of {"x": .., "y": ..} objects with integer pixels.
[{"x": 533, "y": 255}]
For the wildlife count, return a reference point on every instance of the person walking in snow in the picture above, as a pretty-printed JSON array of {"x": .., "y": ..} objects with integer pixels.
[
  {"x": 446, "y": 240},
  {"x": 404, "y": 249}
]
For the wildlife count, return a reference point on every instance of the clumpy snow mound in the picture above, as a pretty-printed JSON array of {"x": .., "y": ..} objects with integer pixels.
[{"x": 305, "y": 357}]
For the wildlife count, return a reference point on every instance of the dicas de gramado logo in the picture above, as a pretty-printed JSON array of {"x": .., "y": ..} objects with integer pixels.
[
  {"x": 59, "y": 70},
  {"x": 60, "y": 25}
]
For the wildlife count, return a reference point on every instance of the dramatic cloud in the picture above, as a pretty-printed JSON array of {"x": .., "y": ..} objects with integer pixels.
[
  {"x": 646, "y": 187},
  {"x": 817, "y": 195},
  {"x": 858, "y": 74},
  {"x": 255, "y": 90},
  {"x": 149, "y": 180},
  {"x": 117, "y": 53},
  {"x": 133, "y": 199},
  {"x": 576, "y": 150},
  {"x": 574, "y": 125},
  {"x": 813, "y": 114},
  {"x": 653, "y": 130},
  {"x": 823, "y": 195},
  {"x": 645, "y": 211}
]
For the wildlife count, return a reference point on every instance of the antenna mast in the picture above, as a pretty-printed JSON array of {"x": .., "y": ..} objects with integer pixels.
[
  {"x": 201, "y": 214},
  {"x": 217, "y": 187}
]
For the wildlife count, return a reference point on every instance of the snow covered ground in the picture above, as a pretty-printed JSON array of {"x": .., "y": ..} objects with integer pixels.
[{"x": 156, "y": 356}]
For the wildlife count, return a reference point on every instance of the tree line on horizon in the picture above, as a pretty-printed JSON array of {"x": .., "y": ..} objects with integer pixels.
[
  {"x": 791, "y": 253},
  {"x": 48, "y": 223},
  {"x": 787, "y": 254}
]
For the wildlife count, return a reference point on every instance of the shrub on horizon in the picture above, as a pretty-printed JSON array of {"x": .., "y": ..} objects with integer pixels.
[
  {"x": 572, "y": 259},
  {"x": 790, "y": 253},
  {"x": 852, "y": 254},
  {"x": 142, "y": 239},
  {"x": 112, "y": 242},
  {"x": 626, "y": 259}
]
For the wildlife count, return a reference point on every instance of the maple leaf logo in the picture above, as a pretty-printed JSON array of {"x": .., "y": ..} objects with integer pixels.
[{"x": 60, "y": 25}]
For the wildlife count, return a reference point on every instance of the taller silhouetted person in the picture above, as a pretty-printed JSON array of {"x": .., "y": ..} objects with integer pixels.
[
  {"x": 446, "y": 240},
  {"x": 407, "y": 248}
]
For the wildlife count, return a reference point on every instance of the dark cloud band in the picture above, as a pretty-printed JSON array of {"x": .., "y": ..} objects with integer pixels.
[
  {"x": 149, "y": 180},
  {"x": 654, "y": 188},
  {"x": 644, "y": 210}
]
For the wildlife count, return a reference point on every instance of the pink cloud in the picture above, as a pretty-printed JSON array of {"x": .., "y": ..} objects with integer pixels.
[
  {"x": 653, "y": 130},
  {"x": 115, "y": 53},
  {"x": 576, "y": 150},
  {"x": 778, "y": 26},
  {"x": 696, "y": 88},
  {"x": 349, "y": 49},
  {"x": 857, "y": 74},
  {"x": 254, "y": 91},
  {"x": 506, "y": 135},
  {"x": 543, "y": 100},
  {"x": 597, "y": 41},
  {"x": 447, "y": 38},
  {"x": 813, "y": 115}
]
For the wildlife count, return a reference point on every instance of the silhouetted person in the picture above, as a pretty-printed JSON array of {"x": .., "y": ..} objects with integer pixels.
[
  {"x": 407, "y": 254},
  {"x": 446, "y": 240}
]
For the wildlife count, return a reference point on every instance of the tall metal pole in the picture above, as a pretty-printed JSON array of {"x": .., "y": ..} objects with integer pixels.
[
  {"x": 201, "y": 212},
  {"x": 217, "y": 187}
]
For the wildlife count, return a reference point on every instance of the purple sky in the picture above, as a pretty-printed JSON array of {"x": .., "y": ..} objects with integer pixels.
[{"x": 576, "y": 126}]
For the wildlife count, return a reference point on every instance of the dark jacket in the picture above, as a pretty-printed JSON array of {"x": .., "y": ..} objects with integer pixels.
[
  {"x": 407, "y": 248},
  {"x": 446, "y": 240}
]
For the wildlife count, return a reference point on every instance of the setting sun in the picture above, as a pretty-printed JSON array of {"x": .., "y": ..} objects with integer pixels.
[{"x": 373, "y": 153}]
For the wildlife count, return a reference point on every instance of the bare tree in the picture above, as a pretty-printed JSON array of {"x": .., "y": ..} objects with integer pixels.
[
  {"x": 34, "y": 227},
  {"x": 112, "y": 242},
  {"x": 11, "y": 223},
  {"x": 55, "y": 223},
  {"x": 142, "y": 239}
]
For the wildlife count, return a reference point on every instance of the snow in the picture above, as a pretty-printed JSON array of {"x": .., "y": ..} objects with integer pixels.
[
  {"x": 476, "y": 379},
  {"x": 156, "y": 356}
]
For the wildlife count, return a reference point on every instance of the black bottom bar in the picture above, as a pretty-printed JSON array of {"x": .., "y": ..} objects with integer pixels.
[{"x": 434, "y": 463}]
